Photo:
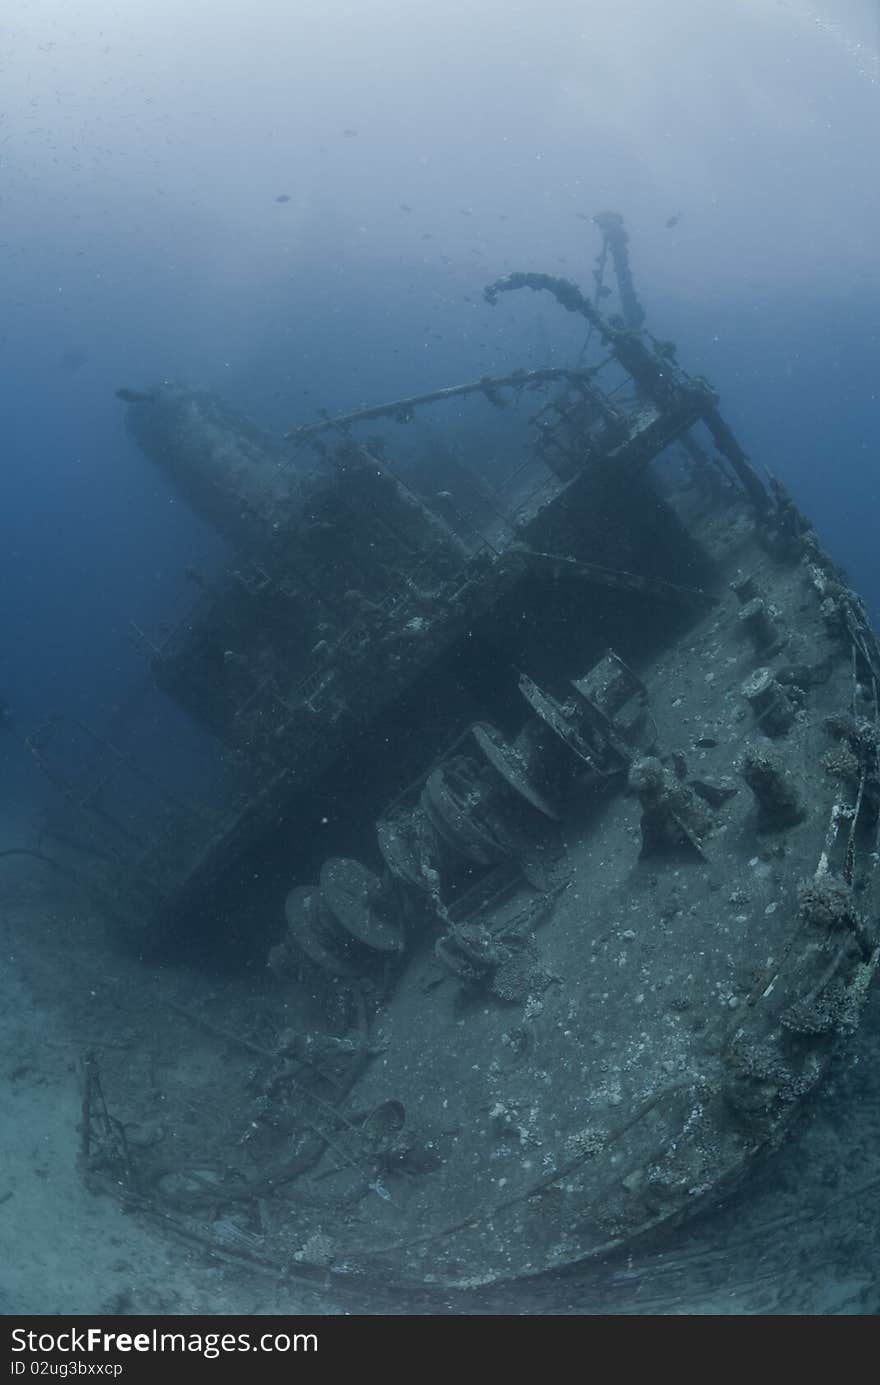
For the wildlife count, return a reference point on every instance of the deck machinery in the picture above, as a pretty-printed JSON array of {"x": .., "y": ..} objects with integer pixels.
[{"x": 552, "y": 806}]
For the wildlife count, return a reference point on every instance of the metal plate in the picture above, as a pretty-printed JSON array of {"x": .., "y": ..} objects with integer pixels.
[
  {"x": 454, "y": 814},
  {"x": 349, "y": 892},
  {"x": 301, "y": 909},
  {"x": 552, "y": 715},
  {"x": 398, "y": 840},
  {"x": 511, "y": 766}
]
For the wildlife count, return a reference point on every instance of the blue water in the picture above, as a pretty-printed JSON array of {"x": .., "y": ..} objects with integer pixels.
[{"x": 424, "y": 151}]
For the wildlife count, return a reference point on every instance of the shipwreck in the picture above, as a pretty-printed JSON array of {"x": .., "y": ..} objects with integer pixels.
[{"x": 549, "y": 810}]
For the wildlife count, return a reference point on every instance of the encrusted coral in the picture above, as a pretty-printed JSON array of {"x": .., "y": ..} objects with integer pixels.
[
  {"x": 773, "y": 786},
  {"x": 841, "y": 763},
  {"x": 827, "y": 903},
  {"x": 835, "y": 1011}
]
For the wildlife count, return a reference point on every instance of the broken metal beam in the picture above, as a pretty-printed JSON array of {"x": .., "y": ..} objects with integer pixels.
[
  {"x": 668, "y": 592},
  {"x": 656, "y": 376},
  {"x": 401, "y": 410}
]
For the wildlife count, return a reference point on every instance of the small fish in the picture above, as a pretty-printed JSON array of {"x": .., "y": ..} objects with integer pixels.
[
  {"x": 283, "y": 198},
  {"x": 405, "y": 207},
  {"x": 349, "y": 133},
  {"x": 673, "y": 221}
]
